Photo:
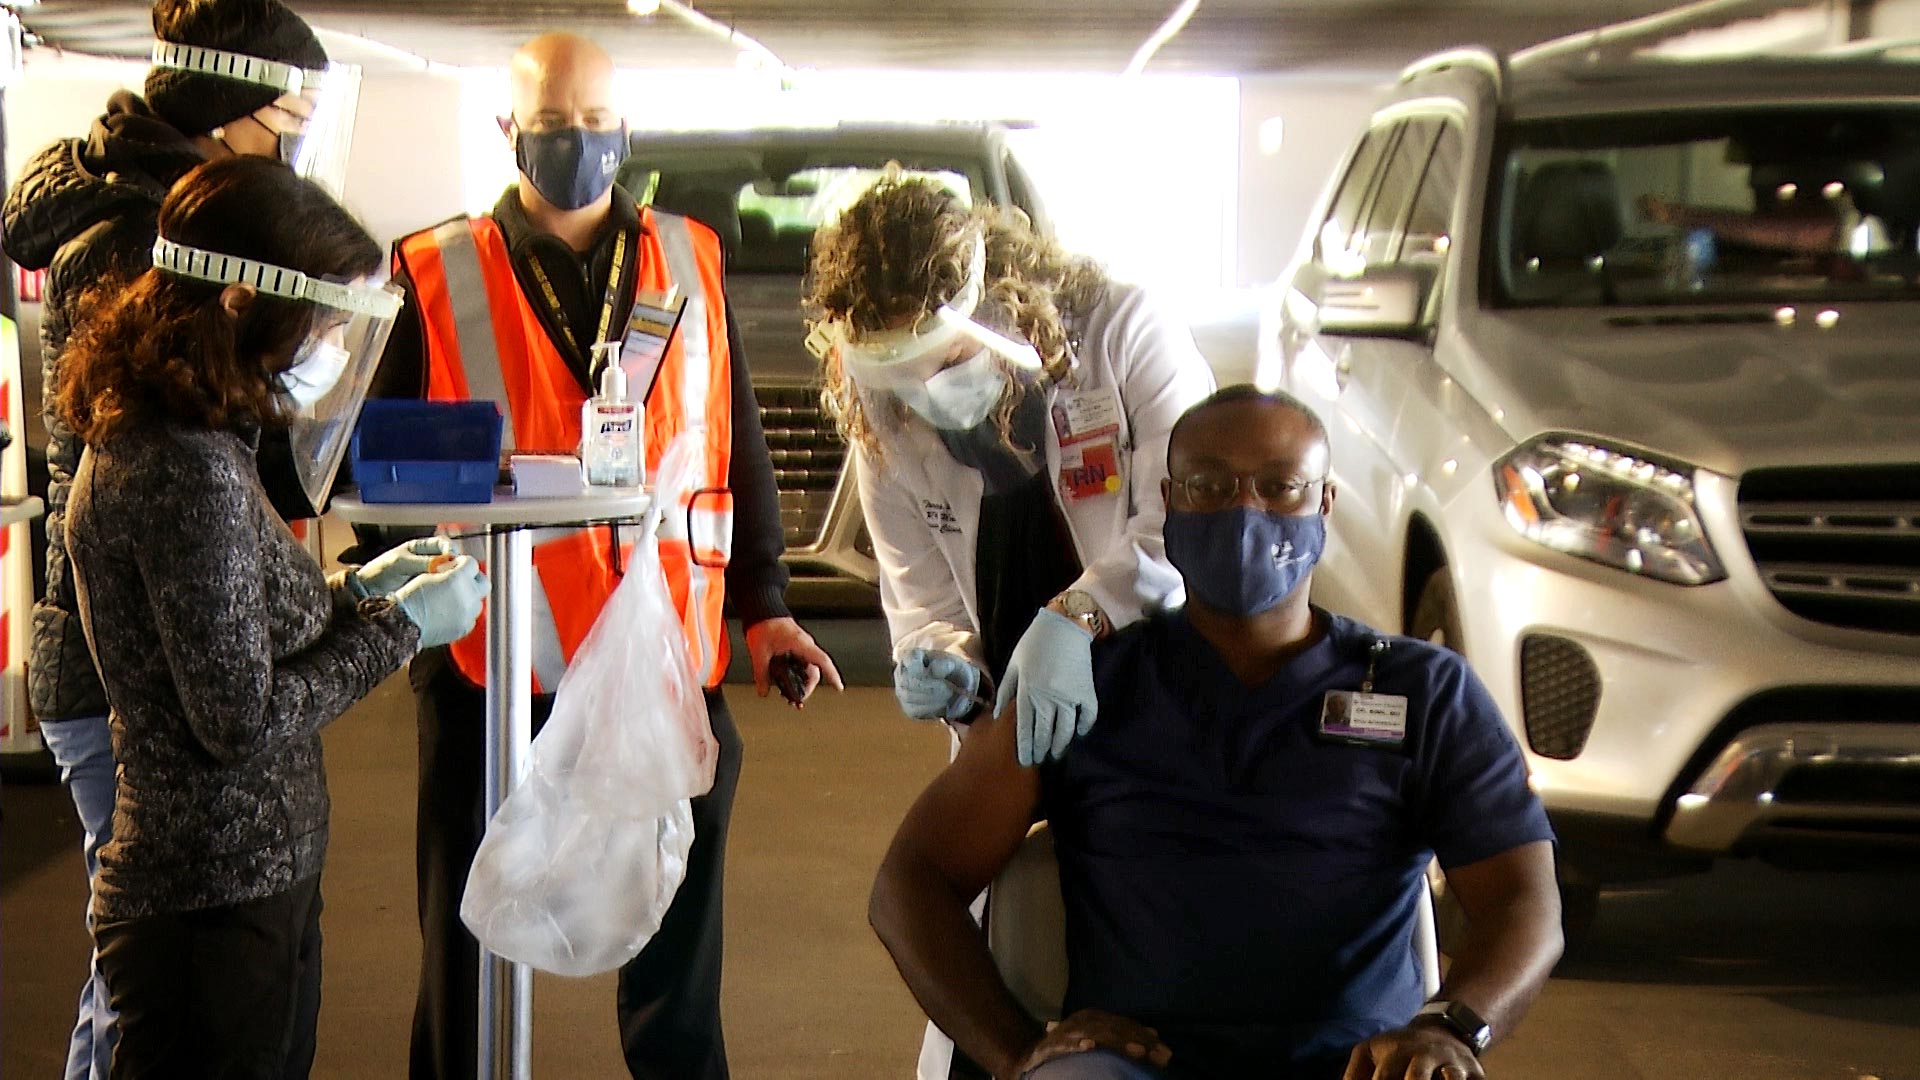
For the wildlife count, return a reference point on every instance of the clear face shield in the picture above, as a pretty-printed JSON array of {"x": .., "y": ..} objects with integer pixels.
[
  {"x": 950, "y": 367},
  {"x": 332, "y": 368},
  {"x": 313, "y": 116}
]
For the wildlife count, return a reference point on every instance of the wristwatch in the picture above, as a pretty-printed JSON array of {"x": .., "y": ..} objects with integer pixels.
[
  {"x": 1082, "y": 609},
  {"x": 374, "y": 606},
  {"x": 1464, "y": 1023}
]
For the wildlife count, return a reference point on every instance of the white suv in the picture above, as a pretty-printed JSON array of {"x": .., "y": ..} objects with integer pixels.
[{"x": 1620, "y": 360}]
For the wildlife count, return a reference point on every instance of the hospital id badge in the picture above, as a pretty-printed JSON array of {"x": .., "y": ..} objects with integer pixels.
[
  {"x": 1087, "y": 471},
  {"x": 1355, "y": 716},
  {"x": 1079, "y": 418},
  {"x": 656, "y": 316}
]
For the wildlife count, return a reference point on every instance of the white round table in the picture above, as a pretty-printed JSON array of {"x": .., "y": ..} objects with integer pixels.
[{"x": 506, "y": 988}]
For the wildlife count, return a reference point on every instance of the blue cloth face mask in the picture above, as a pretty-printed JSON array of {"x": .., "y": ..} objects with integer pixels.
[
  {"x": 571, "y": 167},
  {"x": 1242, "y": 561}
]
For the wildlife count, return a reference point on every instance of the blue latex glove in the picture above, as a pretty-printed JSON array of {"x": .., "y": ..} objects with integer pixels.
[
  {"x": 1051, "y": 676},
  {"x": 394, "y": 568},
  {"x": 444, "y": 605},
  {"x": 933, "y": 685}
]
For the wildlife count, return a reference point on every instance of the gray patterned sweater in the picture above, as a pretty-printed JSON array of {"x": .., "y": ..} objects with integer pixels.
[{"x": 225, "y": 650}]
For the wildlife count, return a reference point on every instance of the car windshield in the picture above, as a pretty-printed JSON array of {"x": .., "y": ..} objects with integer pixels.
[
  {"x": 766, "y": 209},
  {"x": 1755, "y": 205}
]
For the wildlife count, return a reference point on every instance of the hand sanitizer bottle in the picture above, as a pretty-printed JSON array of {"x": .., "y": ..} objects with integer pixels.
[{"x": 612, "y": 442}]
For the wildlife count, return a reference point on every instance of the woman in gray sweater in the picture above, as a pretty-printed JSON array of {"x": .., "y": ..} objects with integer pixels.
[{"x": 223, "y": 646}]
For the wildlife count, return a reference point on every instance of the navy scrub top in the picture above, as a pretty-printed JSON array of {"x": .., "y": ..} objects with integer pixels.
[{"x": 1247, "y": 885}]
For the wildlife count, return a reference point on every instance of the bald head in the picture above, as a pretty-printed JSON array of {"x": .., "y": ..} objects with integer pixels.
[
  {"x": 1289, "y": 417},
  {"x": 560, "y": 81}
]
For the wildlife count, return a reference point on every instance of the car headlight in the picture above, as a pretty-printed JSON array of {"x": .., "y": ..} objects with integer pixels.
[{"x": 1607, "y": 505}]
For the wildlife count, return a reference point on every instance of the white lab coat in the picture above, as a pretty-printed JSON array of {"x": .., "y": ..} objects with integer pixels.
[{"x": 923, "y": 507}]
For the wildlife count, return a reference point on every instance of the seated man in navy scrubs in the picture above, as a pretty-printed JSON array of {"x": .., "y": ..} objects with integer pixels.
[{"x": 1241, "y": 860}]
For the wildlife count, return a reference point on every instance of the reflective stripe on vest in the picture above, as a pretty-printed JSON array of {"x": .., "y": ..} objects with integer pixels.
[
  {"x": 467, "y": 293},
  {"x": 678, "y": 246},
  {"x": 484, "y": 340}
]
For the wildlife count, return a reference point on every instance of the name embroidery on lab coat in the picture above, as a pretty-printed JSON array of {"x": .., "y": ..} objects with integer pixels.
[{"x": 940, "y": 517}]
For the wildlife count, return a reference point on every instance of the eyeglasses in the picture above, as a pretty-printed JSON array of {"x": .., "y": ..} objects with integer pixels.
[{"x": 1207, "y": 491}]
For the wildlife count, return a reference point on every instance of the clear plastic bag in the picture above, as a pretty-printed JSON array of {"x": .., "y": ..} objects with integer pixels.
[{"x": 579, "y": 864}]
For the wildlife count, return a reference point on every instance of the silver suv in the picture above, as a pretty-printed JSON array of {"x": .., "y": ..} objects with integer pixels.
[
  {"x": 1620, "y": 365},
  {"x": 765, "y": 192}
]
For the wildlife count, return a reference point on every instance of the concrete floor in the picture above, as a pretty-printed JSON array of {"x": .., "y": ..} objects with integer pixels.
[{"x": 1743, "y": 974}]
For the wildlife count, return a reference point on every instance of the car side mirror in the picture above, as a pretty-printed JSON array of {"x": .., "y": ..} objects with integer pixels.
[{"x": 1387, "y": 301}]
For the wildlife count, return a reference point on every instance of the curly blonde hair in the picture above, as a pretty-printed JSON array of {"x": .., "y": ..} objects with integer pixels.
[{"x": 905, "y": 248}]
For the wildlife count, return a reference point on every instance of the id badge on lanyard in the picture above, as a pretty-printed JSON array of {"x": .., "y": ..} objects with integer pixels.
[
  {"x": 1088, "y": 428},
  {"x": 656, "y": 317},
  {"x": 1362, "y": 717}
]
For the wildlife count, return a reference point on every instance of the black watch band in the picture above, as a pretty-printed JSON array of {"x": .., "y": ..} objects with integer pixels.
[{"x": 1459, "y": 1020}]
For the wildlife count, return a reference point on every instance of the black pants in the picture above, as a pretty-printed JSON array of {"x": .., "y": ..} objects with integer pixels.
[
  {"x": 668, "y": 1004},
  {"x": 225, "y": 993}
]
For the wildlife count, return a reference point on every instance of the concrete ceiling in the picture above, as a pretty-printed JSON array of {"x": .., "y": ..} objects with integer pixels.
[{"x": 1224, "y": 37}]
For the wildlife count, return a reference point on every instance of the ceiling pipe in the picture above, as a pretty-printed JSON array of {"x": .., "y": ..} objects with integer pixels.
[
  {"x": 1175, "y": 23},
  {"x": 759, "y": 54},
  {"x": 1626, "y": 36},
  {"x": 410, "y": 60}
]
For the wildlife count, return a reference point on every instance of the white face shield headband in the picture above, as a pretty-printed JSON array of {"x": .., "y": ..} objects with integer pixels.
[
  {"x": 316, "y": 131},
  {"x": 901, "y": 362},
  {"x": 332, "y": 368}
]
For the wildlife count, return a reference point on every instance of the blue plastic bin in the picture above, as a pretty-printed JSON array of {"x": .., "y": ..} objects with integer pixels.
[{"x": 427, "y": 451}]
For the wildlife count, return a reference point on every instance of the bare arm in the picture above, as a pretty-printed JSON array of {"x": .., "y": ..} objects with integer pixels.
[
  {"x": 963, "y": 830},
  {"x": 1814, "y": 231},
  {"x": 1513, "y": 940},
  {"x": 1513, "y": 933}
]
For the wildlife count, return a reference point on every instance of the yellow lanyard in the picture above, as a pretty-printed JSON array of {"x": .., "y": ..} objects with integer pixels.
[{"x": 614, "y": 277}]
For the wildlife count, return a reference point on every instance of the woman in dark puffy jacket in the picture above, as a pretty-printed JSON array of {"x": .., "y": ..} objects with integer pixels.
[{"x": 222, "y": 646}]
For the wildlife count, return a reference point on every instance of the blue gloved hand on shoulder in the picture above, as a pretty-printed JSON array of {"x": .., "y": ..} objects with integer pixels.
[
  {"x": 444, "y": 605},
  {"x": 934, "y": 685},
  {"x": 1051, "y": 679}
]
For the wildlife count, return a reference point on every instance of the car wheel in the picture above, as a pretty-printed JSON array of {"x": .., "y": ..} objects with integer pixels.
[
  {"x": 1579, "y": 906},
  {"x": 1436, "y": 617}
]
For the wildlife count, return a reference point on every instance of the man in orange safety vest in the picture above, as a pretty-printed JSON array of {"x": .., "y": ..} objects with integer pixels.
[{"x": 508, "y": 307}]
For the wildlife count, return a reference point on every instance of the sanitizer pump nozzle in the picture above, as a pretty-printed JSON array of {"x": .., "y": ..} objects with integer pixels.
[{"x": 612, "y": 442}]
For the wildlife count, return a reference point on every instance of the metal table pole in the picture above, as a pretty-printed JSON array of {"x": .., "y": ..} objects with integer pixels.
[{"x": 506, "y": 988}]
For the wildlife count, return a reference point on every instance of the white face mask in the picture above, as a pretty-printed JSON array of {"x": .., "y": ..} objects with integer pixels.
[
  {"x": 960, "y": 397},
  {"x": 316, "y": 368}
]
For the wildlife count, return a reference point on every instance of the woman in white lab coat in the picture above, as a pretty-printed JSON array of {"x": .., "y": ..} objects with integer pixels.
[{"x": 1008, "y": 408}]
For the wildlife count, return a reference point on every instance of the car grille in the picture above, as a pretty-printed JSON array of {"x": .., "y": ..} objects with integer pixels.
[
  {"x": 808, "y": 456},
  {"x": 1839, "y": 546},
  {"x": 1559, "y": 695}
]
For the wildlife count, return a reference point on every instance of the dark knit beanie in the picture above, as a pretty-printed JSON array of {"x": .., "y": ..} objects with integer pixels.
[{"x": 266, "y": 29}]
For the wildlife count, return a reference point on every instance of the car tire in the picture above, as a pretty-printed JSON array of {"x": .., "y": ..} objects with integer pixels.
[{"x": 1436, "y": 617}]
